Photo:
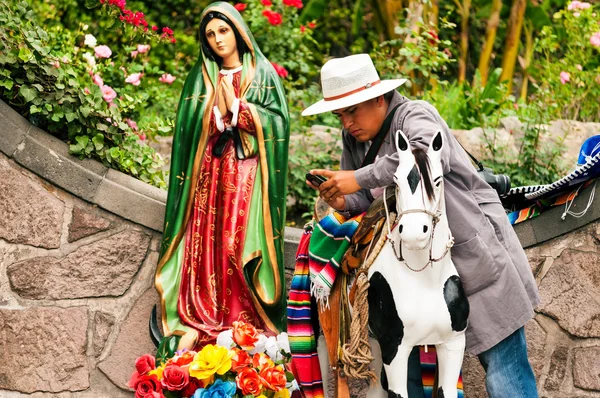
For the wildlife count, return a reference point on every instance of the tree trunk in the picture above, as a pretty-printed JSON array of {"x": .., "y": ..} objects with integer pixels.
[
  {"x": 431, "y": 14},
  {"x": 464, "y": 10},
  {"x": 527, "y": 58},
  {"x": 387, "y": 13},
  {"x": 490, "y": 38},
  {"x": 513, "y": 38}
]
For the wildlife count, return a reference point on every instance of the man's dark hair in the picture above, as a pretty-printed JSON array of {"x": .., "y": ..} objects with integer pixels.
[
  {"x": 210, "y": 54},
  {"x": 388, "y": 96}
]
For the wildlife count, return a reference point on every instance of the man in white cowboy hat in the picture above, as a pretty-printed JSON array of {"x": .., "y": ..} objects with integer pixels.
[{"x": 496, "y": 275}]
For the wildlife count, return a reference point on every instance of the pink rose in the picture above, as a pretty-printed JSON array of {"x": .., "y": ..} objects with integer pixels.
[
  {"x": 579, "y": 67},
  {"x": 102, "y": 51},
  {"x": 145, "y": 363},
  {"x": 134, "y": 78},
  {"x": 134, "y": 127},
  {"x": 134, "y": 54},
  {"x": 86, "y": 91},
  {"x": 174, "y": 378},
  {"x": 108, "y": 93},
  {"x": 143, "y": 48},
  {"x": 56, "y": 64},
  {"x": 564, "y": 77},
  {"x": 97, "y": 80},
  {"x": 167, "y": 78},
  {"x": 595, "y": 39}
]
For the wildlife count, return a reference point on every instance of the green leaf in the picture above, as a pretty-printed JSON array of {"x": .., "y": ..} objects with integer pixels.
[
  {"x": 82, "y": 140},
  {"x": 92, "y": 3},
  {"x": 70, "y": 116},
  {"x": 60, "y": 86},
  {"x": 76, "y": 149},
  {"x": 8, "y": 84},
  {"x": 39, "y": 87},
  {"x": 28, "y": 93},
  {"x": 102, "y": 127},
  {"x": 25, "y": 54},
  {"x": 85, "y": 111},
  {"x": 98, "y": 141},
  {"x": 34, "y": 109}
]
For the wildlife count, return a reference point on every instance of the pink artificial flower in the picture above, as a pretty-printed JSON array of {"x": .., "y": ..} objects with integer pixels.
[
  {"x": 579, "y": 67},
  {"x": 240, "y": 7},
  {"x": 132, "y": 124},
  {"x": 108, "y": 93},
  {"x": 280, "y": 70},
  {"x": 97, "y": 80},
  {"x": 167, "y": 78},
  {"x": 102, "y": 51},
  {"x": 134, "y": 53},
  {"x": 143, "y": 48},
  {"x": 564, "y": 77},
  {"x": 56, "y": 64},
  {"x": 595, "y": 39},
  {"x": 134, "y": 78}
]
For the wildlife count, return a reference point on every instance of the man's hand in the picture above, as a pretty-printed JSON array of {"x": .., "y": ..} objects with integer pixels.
[{"x": 338, "y": 184}]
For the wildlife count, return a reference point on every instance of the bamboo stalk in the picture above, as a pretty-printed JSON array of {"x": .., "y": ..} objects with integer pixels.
[
  {"x": 513, "y": 39},
  {"x": 527, "y": 59},
  {"x": 464, "y": 11},
  {"x": 490, "y": 38}
]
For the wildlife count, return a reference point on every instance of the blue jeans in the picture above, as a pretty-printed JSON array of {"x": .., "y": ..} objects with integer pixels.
[{"x": 507, "y": 369}]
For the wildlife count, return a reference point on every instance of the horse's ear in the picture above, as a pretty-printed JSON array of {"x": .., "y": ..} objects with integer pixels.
[
  {"x": 401, "y": 141},
  {"x": 437, "y": 143}
]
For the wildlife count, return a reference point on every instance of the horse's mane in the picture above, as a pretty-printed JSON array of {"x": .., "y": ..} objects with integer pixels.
[{"x": 423, "y": 165}]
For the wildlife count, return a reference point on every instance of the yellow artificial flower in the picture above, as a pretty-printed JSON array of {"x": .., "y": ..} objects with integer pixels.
[
  {"x": 210, "y": 360},
  {"x": 158, "y": 372},
  {"x": 284, "y": 393}
]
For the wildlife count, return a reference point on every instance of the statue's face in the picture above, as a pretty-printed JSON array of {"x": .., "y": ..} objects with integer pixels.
[{"x": 221, "y": 38}]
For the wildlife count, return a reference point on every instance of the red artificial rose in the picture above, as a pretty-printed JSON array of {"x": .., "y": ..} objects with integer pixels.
[
  {"x": 266, "y": 3},
  {"x": 240, "y": 7},
  {"x": 144, "y": 385},
  {"x": 244, "y": 334},
  {"x": 145, "y": 364},
  {"x": 192, "y": 386},
  {"x": 273, "y": 378},
  {"x": 273, "y": 17},
  {"x": 249, "y": 382},
  {"x": 174, "y": 378},
  {"x": 240, "y": 360},
  {"x": 280, "y": 70},
  {"x": 154, "y": 394},
  {"x": 184, "y": 359}
]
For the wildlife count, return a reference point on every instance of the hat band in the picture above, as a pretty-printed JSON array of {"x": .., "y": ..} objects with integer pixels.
[{"x": 369, "y": 85}]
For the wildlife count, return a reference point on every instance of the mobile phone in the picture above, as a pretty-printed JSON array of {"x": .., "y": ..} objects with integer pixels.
[{"x": 316, "y": 180}]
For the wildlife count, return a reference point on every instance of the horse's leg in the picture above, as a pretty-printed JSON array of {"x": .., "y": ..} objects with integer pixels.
[
  {"x": 324, "y": 363},
  {"x": 375, "y": 389},
  {"x": 397, "y": 373},
  {"x": 450, "y": 358}
]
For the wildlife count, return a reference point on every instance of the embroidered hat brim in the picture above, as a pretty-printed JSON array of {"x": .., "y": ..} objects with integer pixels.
[{"x": 355, "y": 98}]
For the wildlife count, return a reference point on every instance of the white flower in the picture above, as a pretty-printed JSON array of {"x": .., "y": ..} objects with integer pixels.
[
  {"x": 85, "y": 27},
  {"x": 90, "y": 41},
  {"x": 259, "y": 346},
  {"x": 292, "y": 385},
  {"x": 283, "y": 342},
  {"x": 90, "y": 59},
  {"x": 225, "y": 339},
  {"x": 273, "y": 349}
]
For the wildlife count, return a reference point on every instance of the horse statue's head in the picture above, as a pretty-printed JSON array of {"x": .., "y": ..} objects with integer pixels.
[{"x": 419, "y": 197}]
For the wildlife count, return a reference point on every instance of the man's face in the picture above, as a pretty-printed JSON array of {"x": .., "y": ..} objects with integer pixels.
[{"x": 363, "y": 120}]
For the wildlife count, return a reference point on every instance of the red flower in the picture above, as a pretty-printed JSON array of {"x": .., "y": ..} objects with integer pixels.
[
  {"x": 240, "y": 7},
  {"x": 302, "y": 28},
  {"x": 240, "y": 360},
  {"x": 145, "y": 364},
  {"x": 145, "y": 385},
  {"x": 312, "y": 25},
  {"x": 273, "y": 378},
  {"x": 280, "y": 70},
  {"x": 249, "y": 382},
  {"x": 266, "y": 3},
  {"x": 191, "y": 388},
  {"x": 244, "y": 334},
  {"x": 293, "y": 3},
  {"x": 434, "y": 37},
  {"x": 155, "y": 28},
  {"x": 174, "y": 378},
  {"x": 273, "y": 17}
]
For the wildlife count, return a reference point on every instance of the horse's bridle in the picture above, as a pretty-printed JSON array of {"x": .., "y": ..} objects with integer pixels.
[{"x": 435, "y": 218}]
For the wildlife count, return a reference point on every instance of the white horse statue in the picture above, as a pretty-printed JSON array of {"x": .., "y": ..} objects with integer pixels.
[{"x": 415, "y": 295}]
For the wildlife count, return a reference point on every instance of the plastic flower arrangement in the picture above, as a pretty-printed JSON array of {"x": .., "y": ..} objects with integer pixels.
[{"x": 243, "y": 364}]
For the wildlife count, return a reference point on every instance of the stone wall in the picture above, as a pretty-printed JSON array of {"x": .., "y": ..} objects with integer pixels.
[{"x": 79, "y": 246}]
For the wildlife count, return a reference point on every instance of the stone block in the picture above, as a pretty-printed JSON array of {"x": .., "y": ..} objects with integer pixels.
[
  {"x": 536, "y": 346},
  {"x": 103, "y": 324},
  {"x": 586, "y": 368},
  {"x": 49, "y": 157},
  {"x": 473, "y": 377},
  {"x": 573, "y": 280},
  {"x": 43, "y": 349},
  {"x": 103, "y": 268},
  {"x": 526, "y": 234},
  {"x": 13, "y": 129},
  {"x": 558, "y": 368},
  {"x": 84, "y": 223},
  {"x": 132, "y": 342},
  {"x": 290, "y": 246},
  {"x": 30, "y": 215},
  {"x": 129, "y": 203}
]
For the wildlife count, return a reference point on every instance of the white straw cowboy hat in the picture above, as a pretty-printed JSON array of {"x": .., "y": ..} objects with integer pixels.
[{"x": 349, "y": 81}]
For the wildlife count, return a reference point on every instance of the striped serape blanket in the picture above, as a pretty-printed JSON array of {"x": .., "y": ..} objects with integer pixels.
[{"x": 428, "y": 366}]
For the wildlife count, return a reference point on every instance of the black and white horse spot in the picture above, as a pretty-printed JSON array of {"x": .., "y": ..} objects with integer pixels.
[
  {"x": 383, "y": 317},
  {"x": 458, "y": 305},
  {"x": 440, "y": 393}
]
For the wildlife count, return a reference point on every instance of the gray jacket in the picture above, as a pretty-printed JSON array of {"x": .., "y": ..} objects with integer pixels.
[{"x": 496, "y": 275}]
